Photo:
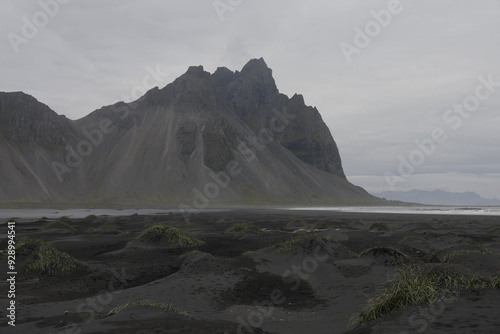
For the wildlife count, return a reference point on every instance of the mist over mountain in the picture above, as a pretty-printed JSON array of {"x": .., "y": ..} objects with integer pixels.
[
  {"x": 204, "y": 139},
  {"x": 438, "y": 197}
]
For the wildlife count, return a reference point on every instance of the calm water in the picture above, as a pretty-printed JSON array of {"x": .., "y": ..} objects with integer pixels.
[
  {"x": 73, "y": 213},
  {"x": 431, "y": 210},
  {"x": 81, "y": 213}
]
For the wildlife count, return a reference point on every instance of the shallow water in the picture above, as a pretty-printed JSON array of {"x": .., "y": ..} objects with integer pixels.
[
  {"x": 74, "y": 213},
  {"x": 431, "y": 210},
  {"x": 6, "y": 214}
]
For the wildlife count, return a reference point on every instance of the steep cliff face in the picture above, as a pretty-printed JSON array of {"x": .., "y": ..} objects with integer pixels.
[
  {"x": 205, "y": 139},
  {"x": 252, "y": 95}
]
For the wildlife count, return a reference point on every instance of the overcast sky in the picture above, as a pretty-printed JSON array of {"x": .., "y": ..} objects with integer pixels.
[{"x": 379, "y": 85}]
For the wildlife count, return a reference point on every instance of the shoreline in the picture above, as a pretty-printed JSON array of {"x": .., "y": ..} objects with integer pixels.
[{"x": 56, "y": 212}]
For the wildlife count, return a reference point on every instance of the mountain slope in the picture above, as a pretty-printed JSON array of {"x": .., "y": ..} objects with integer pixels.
[{"x": 205, "y": 139}]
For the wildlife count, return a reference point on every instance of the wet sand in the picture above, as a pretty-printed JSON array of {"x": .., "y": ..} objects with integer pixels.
[{"x": 245, "y": 282}]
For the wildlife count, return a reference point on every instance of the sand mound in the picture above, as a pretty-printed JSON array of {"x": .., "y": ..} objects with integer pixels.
[
  {"x": 386, "y": 254},
  {"x": 308, "y": 244},
  {"x": 164, "y": 236},
  {"x": 299, "y": 296},
  {"x": 40, "y": 257}
]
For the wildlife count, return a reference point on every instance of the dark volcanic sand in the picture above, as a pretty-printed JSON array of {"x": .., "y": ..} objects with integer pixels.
[{"x": 238, "y": 283}]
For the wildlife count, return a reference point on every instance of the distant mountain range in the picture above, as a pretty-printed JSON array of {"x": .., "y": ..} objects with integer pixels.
[
  {"x": 204, "y": 139},
  {"x": 438, "y": 197}
]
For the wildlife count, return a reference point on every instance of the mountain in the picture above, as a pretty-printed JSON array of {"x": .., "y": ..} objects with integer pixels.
[
  {"x": 204, "y": 139},
  {"x": 438, "y": 197}
]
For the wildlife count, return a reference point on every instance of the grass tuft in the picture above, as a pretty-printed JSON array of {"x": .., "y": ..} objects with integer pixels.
[
  {"x": 288, "y": 245},
  {"x": 443, "y": 222},
  {"x": 146, "y": 302},
  {"x": 60, "y": 224},
  {"x": 379, "y": 226},
  {"x": 45, "y": 258},
  {"x": 494, "y": 230},
  {"x": 306, "y": 240},
  {"x": 243, "y": 228},
  {"x": 297, "y": 223},
  {"x": 389, "y": 251},
  {"x": 193, "y": 252},
  {"x": 416, "y": 285},
  {"x": 107, "y": 227},
  {"x": 320, "y": 226},
  {"x": 64, "y": 219},
  {"x": 448, "y": 258},
  {"x": 162, "y": 235}
]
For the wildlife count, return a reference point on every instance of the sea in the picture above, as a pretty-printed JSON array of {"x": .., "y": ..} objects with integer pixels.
[
  {"x": 420, "y": 210},
  {"x": 32, "y": 214}
]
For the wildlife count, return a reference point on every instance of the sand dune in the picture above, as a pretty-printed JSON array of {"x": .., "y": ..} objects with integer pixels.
[{"x": 253, "y": 272}]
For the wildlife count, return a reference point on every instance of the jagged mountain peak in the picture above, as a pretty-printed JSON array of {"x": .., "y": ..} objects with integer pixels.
[
  {"x": 257, "y": 72},
  {"x": 193, "y": 73},
  {"x": 23, "y": 119},
  {"x": 196, "y": 70},
  {"x": 20, "y": 102},
  {"x": 223, "y": 76},
  {"x": 222, "y": 138},
  {"x": 256, "y": 66},
  {"x": 297, "y": 98}
]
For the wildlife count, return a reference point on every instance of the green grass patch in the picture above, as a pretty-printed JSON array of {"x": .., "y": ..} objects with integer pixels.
[
  {"x": 443, "y": 222},
  {"x": 164, "y": 307},
  {"x": 379, "y": 226},
  {"x": 494, "y": 230},
  {"x": 297, "y": 223},
  {"x": 27, "y": 245},
  {"x": 417, "y": 285},
  {"x": 385, "y": 251},
  {"x": 320, "y": 226},
  {"x": 65, "y": 219},
  {"x": 187, "y": 254},
  {"x": 355, "y": 224},
  {"x": 107, "y": 227},
  {"x": 289, "y": 244},
  {"x": 305, "y": 240},
  {"x": 60, "y": 224},
  {"x": 45, "y": 259},
  {"x": 162, "y": 235},
  {"x": 243, "y": 228},
  {"x": 449, "y": 257}
]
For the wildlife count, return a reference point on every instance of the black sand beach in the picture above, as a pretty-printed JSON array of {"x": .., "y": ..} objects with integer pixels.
[{"x": 251, "y": 271}]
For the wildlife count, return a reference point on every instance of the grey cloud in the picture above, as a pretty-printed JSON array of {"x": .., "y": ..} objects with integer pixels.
[{"x": 395, "y": 91}]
